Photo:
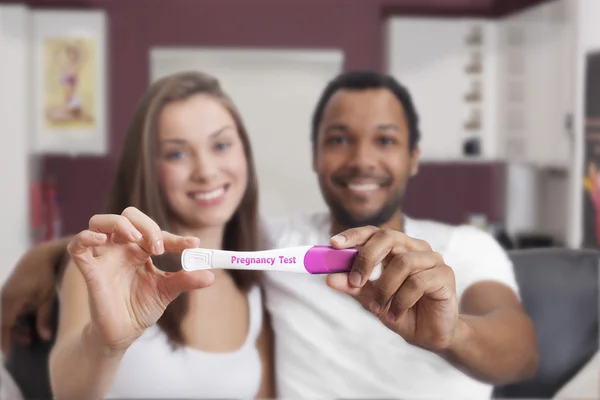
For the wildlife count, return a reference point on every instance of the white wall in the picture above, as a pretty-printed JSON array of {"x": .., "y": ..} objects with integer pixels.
[
  {"x": 276, "y": 92},
  {"x": 14, "y": 131},
  {"x": 537, "y": 201},
  {"x": 588, "y": 39},
  {"x": 523, "y": 194},
  {"x": 554, "y": 204}
]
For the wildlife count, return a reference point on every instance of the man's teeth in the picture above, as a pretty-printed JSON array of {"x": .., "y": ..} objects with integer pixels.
[
  {"x": 363, "y": 187},
  {"x": 213, "y": 194}
]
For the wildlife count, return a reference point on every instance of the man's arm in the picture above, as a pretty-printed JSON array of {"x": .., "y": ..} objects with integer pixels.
[
  {"x": 495, "y": 339},
  {"x": 57, "y": 248},
  {"x": 31, "y": 288}
]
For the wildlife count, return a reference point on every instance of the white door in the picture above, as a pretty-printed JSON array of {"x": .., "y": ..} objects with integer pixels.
[
  {"x": 276, "y": 92},
  {"x": 14, "y": 130}
]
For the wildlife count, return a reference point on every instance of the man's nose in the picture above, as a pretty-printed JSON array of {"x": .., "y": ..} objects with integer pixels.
[{"x": 364, "y": 156}]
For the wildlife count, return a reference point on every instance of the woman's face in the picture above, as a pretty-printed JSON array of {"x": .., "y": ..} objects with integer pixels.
[{"x": 202, "y": 163}]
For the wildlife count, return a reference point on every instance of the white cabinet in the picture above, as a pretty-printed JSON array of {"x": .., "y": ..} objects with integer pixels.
[
  {"x": 536, "y": 95},
  {"x": 452, "y": 78},
  {"x": 506, "y": 83}
]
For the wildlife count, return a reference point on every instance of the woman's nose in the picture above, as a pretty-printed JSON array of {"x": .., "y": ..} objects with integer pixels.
[{"x": 205, "y": 168}]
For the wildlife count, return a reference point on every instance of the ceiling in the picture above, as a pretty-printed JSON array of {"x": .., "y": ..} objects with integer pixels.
[{"x": 487, "y": 8}]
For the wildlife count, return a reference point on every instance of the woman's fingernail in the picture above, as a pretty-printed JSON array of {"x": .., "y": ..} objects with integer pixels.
[
  {"x": 339, "y": 238},
  {"x": 159, "y": 248},
  {"x": 99, "y": 236},
  {"x": 136, "y": 234},
  {"x": 191, "y": 240}
]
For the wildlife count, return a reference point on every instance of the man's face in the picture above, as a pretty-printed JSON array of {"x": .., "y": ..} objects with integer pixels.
[{"x": 362, "y": 156}]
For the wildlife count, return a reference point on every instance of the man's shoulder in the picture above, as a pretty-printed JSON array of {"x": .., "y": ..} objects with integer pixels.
[
  {"x": 473, "y": 239},
  {"x": 437, "y": 234},
  {"x": 474, "y": 254},
  {"x": 453, "y": 238}
]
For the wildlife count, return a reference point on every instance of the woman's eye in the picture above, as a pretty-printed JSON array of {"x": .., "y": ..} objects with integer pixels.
[
  {"x": 221, "y": 146},
  {"x": 174, "y": 155}
]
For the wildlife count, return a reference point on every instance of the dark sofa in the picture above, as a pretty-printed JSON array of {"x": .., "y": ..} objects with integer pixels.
[{"x": 559, "y": 290}]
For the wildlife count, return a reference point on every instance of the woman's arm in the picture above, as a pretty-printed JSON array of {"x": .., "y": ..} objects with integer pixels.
[
  {"x": 110, "y": 294},
  {"x": 265, "y": 344},
  {"x": 80, "y": 367}
]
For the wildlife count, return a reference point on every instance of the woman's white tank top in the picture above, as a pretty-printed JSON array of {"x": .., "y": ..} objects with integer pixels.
[{"x": 151, "y": 369}]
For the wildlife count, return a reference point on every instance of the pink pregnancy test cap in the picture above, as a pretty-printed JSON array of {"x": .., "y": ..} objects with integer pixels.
[{"x": 327, "y": 260}]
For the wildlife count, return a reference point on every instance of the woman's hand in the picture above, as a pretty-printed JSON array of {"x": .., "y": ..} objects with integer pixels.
[{"x": 127, "y": 293}]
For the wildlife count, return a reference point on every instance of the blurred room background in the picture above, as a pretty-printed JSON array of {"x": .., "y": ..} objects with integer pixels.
[{"x": 501, "y": 87}]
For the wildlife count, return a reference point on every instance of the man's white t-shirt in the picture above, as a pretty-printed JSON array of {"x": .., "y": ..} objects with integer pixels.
[{"x": 328, "y": 346}]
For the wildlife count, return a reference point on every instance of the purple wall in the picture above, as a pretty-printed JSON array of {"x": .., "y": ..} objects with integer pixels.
[
  {"x": 355, "y": 26},
  {"x": 449, "y": 192}
]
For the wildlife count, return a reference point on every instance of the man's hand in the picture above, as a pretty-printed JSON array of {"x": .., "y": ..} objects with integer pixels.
[
  {"x": 415, "y": 296},
  {"x": 492, "y": 339},
  {"x": 31, "y": 288}
]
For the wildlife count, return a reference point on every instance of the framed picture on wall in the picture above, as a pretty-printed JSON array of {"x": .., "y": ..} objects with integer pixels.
[
  {"x": 69, "y": 82},
  {"x": 591, "y": 153}
]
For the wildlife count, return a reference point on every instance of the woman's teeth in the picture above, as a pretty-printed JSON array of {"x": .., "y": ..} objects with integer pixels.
[
  {"x": 363, "y": 187},
  {"x": 213, "y": 194}
]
